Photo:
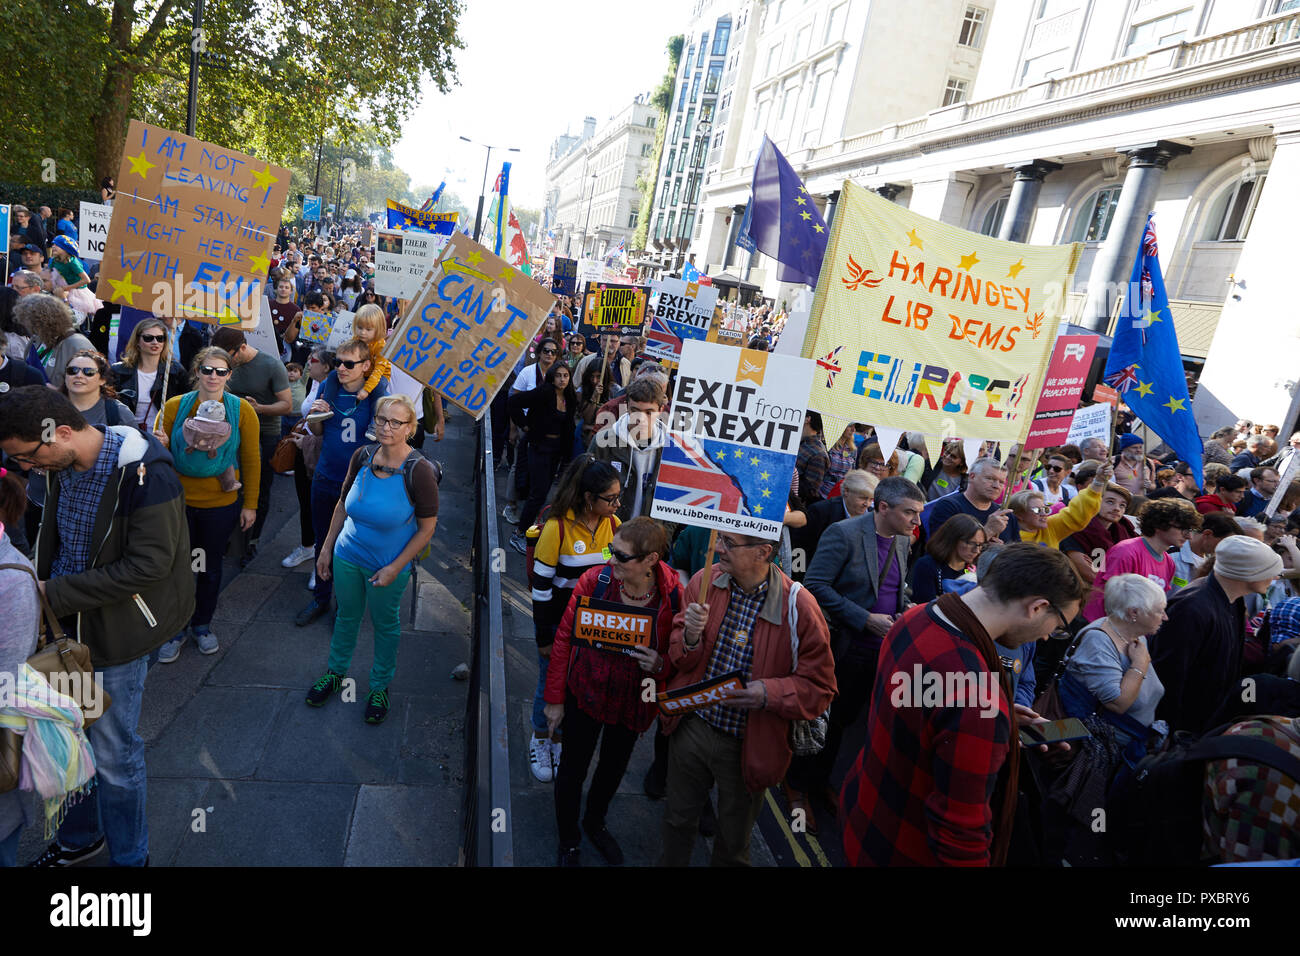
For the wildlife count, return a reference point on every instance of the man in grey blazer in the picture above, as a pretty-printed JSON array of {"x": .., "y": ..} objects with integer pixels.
[{"x": 858, "y": 576}]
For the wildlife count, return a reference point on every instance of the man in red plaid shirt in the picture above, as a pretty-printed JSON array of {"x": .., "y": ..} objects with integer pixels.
[{"x": 939, "y": 733}]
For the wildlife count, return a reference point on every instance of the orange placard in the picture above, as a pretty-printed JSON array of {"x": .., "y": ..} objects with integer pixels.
[
  {"x": 1104, "y": 393},
  {"x": 704, "y": 693},
  {"x": 612, "y": 627}
]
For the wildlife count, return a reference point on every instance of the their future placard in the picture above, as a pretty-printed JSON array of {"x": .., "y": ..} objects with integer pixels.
[
  {"x": 468, "y": 324},
  {"x": 607, "y": 626},
  {"x": 733, "y": 436},
  {"x": 405, "y": 256},
  {"x": 192, "y": 229}
]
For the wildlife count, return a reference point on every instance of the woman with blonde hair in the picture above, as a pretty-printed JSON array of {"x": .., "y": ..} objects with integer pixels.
[
  {"x": 385, "y": 515},
  {"x": 147, "y": 362},
  {"x": 54, "y": 326}
]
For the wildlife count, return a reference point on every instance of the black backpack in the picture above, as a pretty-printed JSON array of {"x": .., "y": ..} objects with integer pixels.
[{"x": 1155, "y": 813}]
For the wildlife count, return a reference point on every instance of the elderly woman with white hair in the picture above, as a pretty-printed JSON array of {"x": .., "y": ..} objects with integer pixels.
[{"x": 1110, "y": 672}]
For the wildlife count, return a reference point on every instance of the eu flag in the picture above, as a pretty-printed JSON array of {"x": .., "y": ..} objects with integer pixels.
[
  {"x": 1145, "y": 363},
  {"x": 785, "y": 223}
]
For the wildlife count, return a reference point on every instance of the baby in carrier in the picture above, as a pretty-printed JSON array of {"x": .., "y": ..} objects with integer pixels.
[{"x": 207, "y": 431}]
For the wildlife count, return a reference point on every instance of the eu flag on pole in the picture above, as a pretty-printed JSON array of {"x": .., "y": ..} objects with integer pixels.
[
  {"x": 1145, "y": 363},
  {"x": 785, "y": 223}
]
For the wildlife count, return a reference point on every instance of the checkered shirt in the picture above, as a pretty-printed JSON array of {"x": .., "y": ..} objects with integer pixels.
[
  {"x": 79, "y": 496},
  {"x": 734, "y": 650},
  {"x": 1284, "y": 620}
]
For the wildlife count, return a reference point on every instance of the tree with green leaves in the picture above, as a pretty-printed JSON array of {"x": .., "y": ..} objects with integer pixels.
[{"x": 662, "y": 99}]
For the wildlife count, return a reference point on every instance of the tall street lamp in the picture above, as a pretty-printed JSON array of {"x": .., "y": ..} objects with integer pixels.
[
  {"x": 478, "y": 216},
  {"x": 586, "y": 229}
]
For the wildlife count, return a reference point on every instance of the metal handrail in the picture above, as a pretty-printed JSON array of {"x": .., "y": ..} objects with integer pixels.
[{"x": 487, "y": 839}]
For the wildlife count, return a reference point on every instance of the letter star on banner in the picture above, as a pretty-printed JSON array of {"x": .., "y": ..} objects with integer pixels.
[
  {"x": 192, "y": 228},
  {"x": 925, "y": 327},
  {"x": 733, "y": 436},
  {"x": 468, "y": 324}
]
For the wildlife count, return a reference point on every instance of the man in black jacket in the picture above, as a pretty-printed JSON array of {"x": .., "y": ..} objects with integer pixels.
[
  {"x": 113, "y": 558},
  {"x": 1197, "y": 651}
]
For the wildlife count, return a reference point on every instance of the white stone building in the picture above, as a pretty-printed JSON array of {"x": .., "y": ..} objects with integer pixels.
[
  {"x": 1084, "y": 115},
  {"x": 591, "y": 193}
]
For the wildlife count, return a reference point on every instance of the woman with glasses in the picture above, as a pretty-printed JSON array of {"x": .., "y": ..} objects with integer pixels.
[
  {"x": 1040, "y": 526},
  {"x": 86, "y": 383},
  {"x": 949, "y": 553},
  {"x": 146, "y": 361},
  {"x": 546, "y": 414},
  {"x": 210, "y": 512},
  {"x": 600, "y": 694},
  {"x": 577, "y": 530},
  {"x": 385, "y": 515}
]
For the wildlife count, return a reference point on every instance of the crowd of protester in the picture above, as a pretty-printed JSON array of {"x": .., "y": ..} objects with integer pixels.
[{"x": 1099, "y": 583}]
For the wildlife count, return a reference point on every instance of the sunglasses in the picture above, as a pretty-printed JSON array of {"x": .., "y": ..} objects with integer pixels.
[
  {"x": 548, "y": 351},
  {"x": 89, "y": 372},
  {"x": 1055, "y": 467},
  {"x": 610, "y": 499},
  {"x": 1041, "y": 511},
  {"x": 159, "y": 339},
  {"x": 213, "y": 370},
  {"x": 348, "y": 364},
  {"x": 623, "y": 557}
]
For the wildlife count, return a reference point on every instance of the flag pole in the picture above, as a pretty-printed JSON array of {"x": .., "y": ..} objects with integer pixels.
[
  {"x": 1114, "y": 418},
  {"x": 708, "y": 565}
]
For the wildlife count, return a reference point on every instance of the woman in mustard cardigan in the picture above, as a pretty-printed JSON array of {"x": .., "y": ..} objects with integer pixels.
[
  {"x": 1040, "y": 526},
  {"x": 211, "y": 512}
]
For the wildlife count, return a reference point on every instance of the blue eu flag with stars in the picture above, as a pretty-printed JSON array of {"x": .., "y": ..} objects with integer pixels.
[
  {"x": 785, "y": 223},
  {"x": 1145, "y": 363}
]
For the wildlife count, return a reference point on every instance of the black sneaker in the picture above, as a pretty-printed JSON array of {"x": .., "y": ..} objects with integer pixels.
[
  {"x": 321, "y": 690},
  {"x": 56, "y": 855},
  {"x": 569, "y": 856},
  {"x": 308, "y": 614},
  {"x": 604, "y": 841},
  {"x": 708, "y": 822},
  {"x": 655, "y": 784},
  {"x": 250, "y": 552},
  {"x": 376, "y": 706}
]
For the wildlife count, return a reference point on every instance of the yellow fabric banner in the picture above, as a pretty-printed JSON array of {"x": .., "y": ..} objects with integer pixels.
[{"x": 925, "y": 327}]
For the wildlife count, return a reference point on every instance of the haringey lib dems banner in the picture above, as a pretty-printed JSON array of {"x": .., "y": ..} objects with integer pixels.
[
  {"x": 683, "y": 310},
  {"x": 734, "y": 431},
  {"x": 192, "y": 229},
  {"x": 925, "y": 327},
  {"x": 408, "y": 217},
  {"x": 468, "y": 324}
]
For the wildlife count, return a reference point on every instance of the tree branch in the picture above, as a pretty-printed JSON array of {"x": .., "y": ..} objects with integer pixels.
[{"x": 155, "y": 28}]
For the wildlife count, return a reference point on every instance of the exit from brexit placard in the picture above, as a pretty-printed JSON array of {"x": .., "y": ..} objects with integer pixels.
[{"x": 193, "y": 227}]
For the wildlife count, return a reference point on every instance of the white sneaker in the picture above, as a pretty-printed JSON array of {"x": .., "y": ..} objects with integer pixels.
[
  {"x": 311, "y": 582},
  {"x": 539, "y": 759},
  {"x": 297, "y": 556},
  {"x": 555, "y": 756},
  {"x": 511, "y": 513}
]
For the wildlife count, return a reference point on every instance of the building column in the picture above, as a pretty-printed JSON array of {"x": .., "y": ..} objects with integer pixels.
[
  {"x": 889, "y": 190},
  {"x": 1252, "y": 369},
  {"x": 1024, "y": 198},
  {"x": 828, "y": 214},
  {"x": 946, "y": 200},
  {"x": 737, "y": 216},
  {"x": 1114, "y": 262}
]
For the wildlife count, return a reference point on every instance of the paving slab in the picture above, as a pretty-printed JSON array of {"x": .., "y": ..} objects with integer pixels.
[
  {"x": 405, "y": 826},
  {"x": 332, "y": 743},
  {"x": 222, "y": 732}
]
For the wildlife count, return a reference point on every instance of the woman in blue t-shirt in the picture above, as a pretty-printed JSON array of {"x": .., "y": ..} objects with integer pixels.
[{"x": 384, "y": 517}]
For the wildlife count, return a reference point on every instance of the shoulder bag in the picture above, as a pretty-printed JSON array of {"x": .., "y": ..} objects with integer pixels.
[{"x": 807, "y": 737}]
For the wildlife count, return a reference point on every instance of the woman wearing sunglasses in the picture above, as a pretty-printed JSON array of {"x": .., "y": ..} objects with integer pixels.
[
  {"x": 577, "y": 529},
  {"x": 86, "y": 383},
  {"x": 210, "y": 512},
  {"x": 140, "y": 374},
  {"x": 379, "y": 525},
  {"x": 1039, "y": 525},
  {"x": 599, "y": 693}
]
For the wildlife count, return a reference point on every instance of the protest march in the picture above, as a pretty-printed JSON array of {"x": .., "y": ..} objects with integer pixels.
[{"x": 342, "y": 526}]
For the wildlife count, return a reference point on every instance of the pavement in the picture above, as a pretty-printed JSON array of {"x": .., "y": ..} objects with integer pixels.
[{"x": 242, "y": 772}]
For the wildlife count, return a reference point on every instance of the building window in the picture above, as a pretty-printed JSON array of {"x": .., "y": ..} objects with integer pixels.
[
  {"x": 688, "y": 221},
  {"x": 772, "y": 53},
  {"x": 1041, "y": 67},
  {"x": 721, "y": 34},
  {"x": 672, "y": 218},
  {"x": 1232, "y": 210},
  {"x": 677, "y": 128},
  {"x": 801, "y": 42},
  {"x": 697, "y": 156},
  {"x": 835, "y": 23},
  {"x": 726, "y": 98},
  {"x": 695, "y": 88},
  {"x": 704, "y": 50},
  {"x": 681, "y": 159},
  {"x": 646, "y": 149},
  {"x": 690, "y": 55},
  {"x": 706, "y": 111},
  {"x": 668, "y": 166},
  {"x": 677, "y": 192},
  {"x": 972, "y": 27},
  {"x": 780, "y": 9},
  {"x": 651, "y": 120},
  {"x": 714, "y": 79},
  {"x": 954, "y": 92},
  {"x": 659, "y": 226},
  {"x": 993, "y": 218},
  {"x": 681, "y": 100},
  {"x": 1095, "y": 215},
  {"x": 633, "y": 215},
  {"x": 690, "y": 124},
  {"x": 1162, "y": 31},
  {"x": 1284, "y": 5}
]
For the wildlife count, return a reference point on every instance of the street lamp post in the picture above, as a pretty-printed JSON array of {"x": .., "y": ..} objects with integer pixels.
[
  {"x": 586, "y": 229},
  {"x": 478, "y": 216}
]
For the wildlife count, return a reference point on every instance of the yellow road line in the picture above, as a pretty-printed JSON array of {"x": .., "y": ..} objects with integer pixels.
[
  {"x": 800, "y": 856},
  {"x": 817, "y": 850}
]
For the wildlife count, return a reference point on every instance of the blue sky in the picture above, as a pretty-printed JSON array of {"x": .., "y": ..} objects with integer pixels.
[{"x": 529, "y": 72}]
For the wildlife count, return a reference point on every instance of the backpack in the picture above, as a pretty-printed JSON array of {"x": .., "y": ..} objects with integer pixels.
[
  {"x": 408, "y": 479},
  {"x": 530, "y": 544},
  {"x": 605, "y": 576},
  {"x": 1155, "y": 814}
]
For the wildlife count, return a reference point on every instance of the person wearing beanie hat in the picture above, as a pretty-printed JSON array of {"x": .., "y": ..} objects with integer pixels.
[
  {"x": 1132, "y": 471},
  {"x": 63, "y": 257},
  {"x": 1198, "y": 650}
]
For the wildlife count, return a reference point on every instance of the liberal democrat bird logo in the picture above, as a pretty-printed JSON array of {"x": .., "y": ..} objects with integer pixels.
[
  {"x": 858, "y": 276},
  {"x": 830, "y": 365}
]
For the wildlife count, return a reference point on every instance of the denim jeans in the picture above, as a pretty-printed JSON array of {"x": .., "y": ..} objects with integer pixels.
[
  {"x": 324, "y": 496},
  {"x": 115, "y": 808},
  {"x": 9, "y": 848},
  {"x": 355, "y": 592}
]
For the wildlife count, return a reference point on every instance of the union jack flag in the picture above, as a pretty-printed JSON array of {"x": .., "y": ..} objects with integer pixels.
[
  {"x": 1124, "y": 379},
  {"x": 1149, "y": 239},
  {"x": 1148, "y": 289},
  {"x": 689, "y": 478},
  {"x": 660, "y": 340},
  {"x": 830, "y": 365}
]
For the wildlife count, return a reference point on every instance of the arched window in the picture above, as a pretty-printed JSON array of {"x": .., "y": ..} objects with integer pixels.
[
  {"x": 1092, "y": 222},
  {"x": 1229, "y": 216},
  {"x": 993, "y": 218}
]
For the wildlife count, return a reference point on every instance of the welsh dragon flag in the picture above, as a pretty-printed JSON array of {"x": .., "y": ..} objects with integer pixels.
[{"x": 514, "y": 249}]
